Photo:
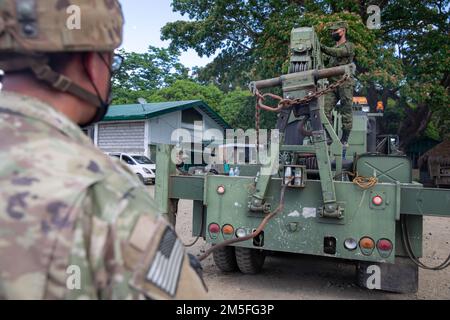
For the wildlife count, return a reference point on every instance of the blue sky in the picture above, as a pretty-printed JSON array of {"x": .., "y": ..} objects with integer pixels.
[{"x": 143, "y": 22}]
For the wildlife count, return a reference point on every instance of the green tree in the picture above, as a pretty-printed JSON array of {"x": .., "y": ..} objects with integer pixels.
[
  {"x": 144, "y": 73},
  {"x": 189, "y": 90},
  {"x": 406, "y": 61},
  {"x": 420, "y": 32},
  {"x": 238, "y": 109}
]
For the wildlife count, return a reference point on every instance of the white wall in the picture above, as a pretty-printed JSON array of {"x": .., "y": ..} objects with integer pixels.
[{"x": 161, "y": 128}]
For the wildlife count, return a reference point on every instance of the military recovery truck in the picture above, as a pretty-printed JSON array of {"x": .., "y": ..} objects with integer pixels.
[{"x": 320, "y": 199}]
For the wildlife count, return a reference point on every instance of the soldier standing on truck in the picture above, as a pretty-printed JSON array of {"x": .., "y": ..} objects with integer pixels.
[
  {"x": 74, "y": 224},
  {"x": 343, "y": 53}
]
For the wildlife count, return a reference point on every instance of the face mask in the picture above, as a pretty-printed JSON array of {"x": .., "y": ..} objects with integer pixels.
[
  {"x": 102, "y": 110},
  {"x": 336, "y": 36}
]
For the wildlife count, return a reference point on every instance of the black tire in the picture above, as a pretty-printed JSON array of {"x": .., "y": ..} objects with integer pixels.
[
  {"x": 250, "y": 261},
  {"x": 225, "y": 259},
  {"x": 141, "y": 178}
]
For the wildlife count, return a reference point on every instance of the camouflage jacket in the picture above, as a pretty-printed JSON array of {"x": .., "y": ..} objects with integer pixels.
[
  {"x": 74, "y": 224},
  {"x": 339, "y": 55}
]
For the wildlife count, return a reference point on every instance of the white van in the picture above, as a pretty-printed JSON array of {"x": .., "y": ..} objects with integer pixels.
[{"x": 142, "y": 166}]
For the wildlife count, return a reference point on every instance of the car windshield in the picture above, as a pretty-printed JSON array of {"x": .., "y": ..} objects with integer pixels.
[{"x": 142, "y": 160}]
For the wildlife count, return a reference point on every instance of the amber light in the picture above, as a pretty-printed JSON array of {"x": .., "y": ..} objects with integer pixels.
[
  {"x": 228, "y": 229},
  {"x": 380, "y": 107},
  {"x": 367, "y": 243}
]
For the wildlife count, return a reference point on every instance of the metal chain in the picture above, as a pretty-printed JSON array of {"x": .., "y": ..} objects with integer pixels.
[
  {"x": 287, "y": 103},
  {"x": 257, "y": 124}
]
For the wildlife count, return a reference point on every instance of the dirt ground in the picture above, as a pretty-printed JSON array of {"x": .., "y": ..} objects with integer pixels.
[{"x": 297, "y": 277}]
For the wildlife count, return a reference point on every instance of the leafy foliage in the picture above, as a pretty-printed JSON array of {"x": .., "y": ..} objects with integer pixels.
[
  {"x": 142, "y": 73},
  {"x": 189, "y": 90},
  {"x": 405, "y": 63}
]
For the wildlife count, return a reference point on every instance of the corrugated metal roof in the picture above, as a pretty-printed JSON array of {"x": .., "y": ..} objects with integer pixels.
[{"x": 152, "y": 110}]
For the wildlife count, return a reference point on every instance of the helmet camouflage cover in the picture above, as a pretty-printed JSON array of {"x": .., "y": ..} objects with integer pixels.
[
  {"x": 32, "y": 27},
  {"x": 30, "y": 30},
  {"x": 338, "y": 25}
]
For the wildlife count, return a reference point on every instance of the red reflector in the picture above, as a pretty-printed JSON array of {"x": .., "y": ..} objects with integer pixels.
[
  {"x": 377, "y": 200},
  {"x": 214, "y": 228},
  {"x": 384, "y": 245}
]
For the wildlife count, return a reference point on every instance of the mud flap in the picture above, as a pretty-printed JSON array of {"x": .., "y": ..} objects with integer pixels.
[{"x": 401, "y": 277}]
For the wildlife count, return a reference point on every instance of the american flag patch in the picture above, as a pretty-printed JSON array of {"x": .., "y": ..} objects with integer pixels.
[{"x": 165, "y": 269}]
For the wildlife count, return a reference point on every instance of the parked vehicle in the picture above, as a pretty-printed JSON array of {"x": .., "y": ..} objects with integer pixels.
[{"x": 142, "y": 166}]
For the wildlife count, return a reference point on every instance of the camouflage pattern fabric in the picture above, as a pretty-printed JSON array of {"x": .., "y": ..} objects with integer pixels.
[
  {"x": 52, "y": 26},
  {"x": 64, "y": 204},
  {"x": 338, "y": 25},
  {"x": 345, "y": 94},
  {"x": 341, "y": 55}
]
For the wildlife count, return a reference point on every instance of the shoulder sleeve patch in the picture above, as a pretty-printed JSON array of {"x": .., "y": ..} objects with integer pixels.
[
  {"x": 164, "y": 271},
  {"x": 159, "y": 269}
]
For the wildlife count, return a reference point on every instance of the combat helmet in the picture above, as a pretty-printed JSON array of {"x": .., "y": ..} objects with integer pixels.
[
  {"x": 30, "y": 30},
  {"x": 338, "y": 25}
]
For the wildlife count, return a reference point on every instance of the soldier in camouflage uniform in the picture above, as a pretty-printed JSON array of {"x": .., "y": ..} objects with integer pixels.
[
  {"x": 343, "y": 53},
  {"x": 74, "y": 224}
]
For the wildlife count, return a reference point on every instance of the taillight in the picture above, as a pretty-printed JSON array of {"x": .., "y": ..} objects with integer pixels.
[
  {"x": 214, "y": 230},
  {"x": 385, "y": 247},
  {"x": 367, "y": 245},
  {"x": 228, "y": 229}
]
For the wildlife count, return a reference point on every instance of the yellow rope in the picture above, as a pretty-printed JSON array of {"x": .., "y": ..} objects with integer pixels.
[{"x": 365, "y": 182}]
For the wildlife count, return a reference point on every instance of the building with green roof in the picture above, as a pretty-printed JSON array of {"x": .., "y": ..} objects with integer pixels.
[{"x": 138, "y": 128}]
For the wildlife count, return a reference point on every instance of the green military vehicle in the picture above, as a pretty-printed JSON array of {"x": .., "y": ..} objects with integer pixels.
[{"x": 318, "y": 198}]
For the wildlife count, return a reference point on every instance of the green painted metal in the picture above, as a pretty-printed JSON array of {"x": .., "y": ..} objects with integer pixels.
[
  {"x": 425, "y": 202},
  {"x": 166, "y": 168},
  {"x": 326, "y": 175},
  {"x": 415, "y": 228},
  {"x": 358, "y": 137},
  {"x": 302, "y": 210},
  {"x": 186, "y": 187},
  {"x": 198, "y": 219},
  {"x": 385, "y": 168},
  {"x": 336, "y": 148},
  {"x": 262, "y": 180},
  {"x": 302, "y": 149}
]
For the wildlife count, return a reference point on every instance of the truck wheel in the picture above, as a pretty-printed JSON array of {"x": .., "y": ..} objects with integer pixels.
[
  {"x": 225, "y": 259},
  {"x": 250, "y": 261}
]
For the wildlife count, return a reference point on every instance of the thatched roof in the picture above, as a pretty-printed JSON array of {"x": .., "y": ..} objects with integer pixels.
[{"x": 438, "y": 155}]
